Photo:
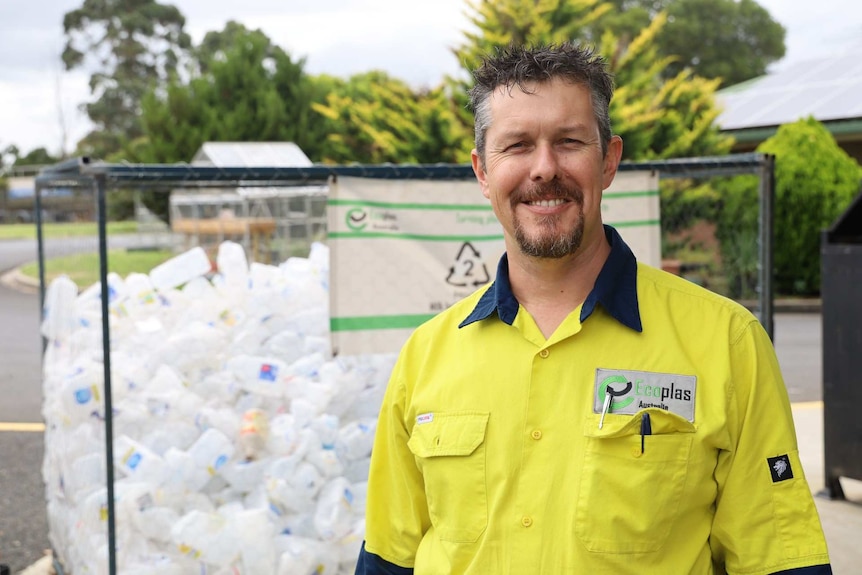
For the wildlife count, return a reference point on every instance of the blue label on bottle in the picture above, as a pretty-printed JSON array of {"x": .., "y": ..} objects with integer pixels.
[
  {"x": 222, "y": 459},
  {"x": 268, "y": 372},
  {"x": 83, "y": 395},
  {"x": 133, "y": 461}
]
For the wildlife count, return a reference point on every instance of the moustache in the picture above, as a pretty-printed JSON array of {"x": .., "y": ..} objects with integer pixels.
[{"x": 547, "y": 190}]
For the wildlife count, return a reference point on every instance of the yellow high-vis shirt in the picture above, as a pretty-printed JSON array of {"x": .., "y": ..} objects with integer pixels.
[{"x": 650, "y": 434}]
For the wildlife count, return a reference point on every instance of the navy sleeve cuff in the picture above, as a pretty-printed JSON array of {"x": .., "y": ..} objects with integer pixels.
[
  {"x": 813, "y": 570},
  {"x": 371, "y": 564}
]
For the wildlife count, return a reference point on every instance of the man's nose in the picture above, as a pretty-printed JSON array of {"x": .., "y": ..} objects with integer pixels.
[{"x": 546, "y": 165}]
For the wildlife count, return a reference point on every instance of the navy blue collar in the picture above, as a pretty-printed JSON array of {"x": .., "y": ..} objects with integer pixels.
[{"x": 615, "y": 289}]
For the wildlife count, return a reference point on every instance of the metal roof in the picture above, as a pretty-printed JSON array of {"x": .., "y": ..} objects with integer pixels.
[
  {"x": 250, "y": 155},
  {"x": 826, "y": 88}
]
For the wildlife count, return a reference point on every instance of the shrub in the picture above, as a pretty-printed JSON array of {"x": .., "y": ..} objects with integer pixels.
[
  {"x": 815, "y": 180},
  {"x": 737, "y": 230}
]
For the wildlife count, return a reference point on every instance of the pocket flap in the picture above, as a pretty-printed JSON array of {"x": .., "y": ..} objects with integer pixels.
[
  {"x": 661, "y": 421},
  {"x": 449, "y": 433}
]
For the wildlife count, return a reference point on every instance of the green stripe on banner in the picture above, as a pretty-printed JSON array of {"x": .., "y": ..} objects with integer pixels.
[
  {"x": 422, "y": 237},
  {"x": 411, "y": 206},
  {"x": 623, "y": 195},
  {"x": 378, "y": 322},
  {"x": 635, "y": 224}
]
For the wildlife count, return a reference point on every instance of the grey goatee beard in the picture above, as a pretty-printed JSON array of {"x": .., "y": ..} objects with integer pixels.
[{"x": 549, "y": 242}]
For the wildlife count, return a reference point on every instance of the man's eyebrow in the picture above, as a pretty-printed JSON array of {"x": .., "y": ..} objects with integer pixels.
[
  {"x": 576, "y": 127},
  {"x": 513, "y": 135},
  {"x": 562, "y": 129}
]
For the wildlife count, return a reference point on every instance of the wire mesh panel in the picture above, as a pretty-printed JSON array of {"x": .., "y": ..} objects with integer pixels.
[
  {"x": 710, "y": 230},
  {"x": 271, "y": 223}
]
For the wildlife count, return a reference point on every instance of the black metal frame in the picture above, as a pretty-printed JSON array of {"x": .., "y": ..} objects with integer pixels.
[{"x": 83, "y": 172}]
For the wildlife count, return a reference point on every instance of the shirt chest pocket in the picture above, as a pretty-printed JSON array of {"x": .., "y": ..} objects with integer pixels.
[
  {"x": 450, "y": 452},
  {"x": 628, "y": 498}
]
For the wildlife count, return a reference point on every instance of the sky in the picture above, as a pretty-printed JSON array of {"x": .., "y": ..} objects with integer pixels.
[{"x": 410, "y": 39}]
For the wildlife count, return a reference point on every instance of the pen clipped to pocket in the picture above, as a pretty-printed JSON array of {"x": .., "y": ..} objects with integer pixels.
[{"x": 646, "y": 428}]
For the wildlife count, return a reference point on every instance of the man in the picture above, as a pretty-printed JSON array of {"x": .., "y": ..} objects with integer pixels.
[{"x": 584, "y": 413}]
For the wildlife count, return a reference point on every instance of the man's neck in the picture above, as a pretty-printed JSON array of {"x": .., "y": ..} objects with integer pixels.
[{"x": 550, "y": 289}]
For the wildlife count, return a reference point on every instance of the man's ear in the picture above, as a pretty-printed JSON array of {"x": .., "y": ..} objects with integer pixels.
[
  {"x": 612, "y": 161},
  {"x": 479, "y": 170}
]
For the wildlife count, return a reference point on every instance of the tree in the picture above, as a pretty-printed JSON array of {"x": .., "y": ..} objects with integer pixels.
[
  {"x": 374, "y": 118},
  {"x": 627, "y": 18},
  {"x": 9, "y": 156},
  {"x": 657, "y": 118},
  {"x": 499, "y": 23},
  {"x": 734, "y": 40},
  {"x": 660, "y": 118},
  {"x": 296, "y": 89},
  {"x": 815, "y": 181},
  {"x": 36, "y": 157},
  {"x": 248, "y": 89},
  {"x": 134, "y": 45},
  {"x": 244, "y": 88},
  {"x": 726, "y": 39}
]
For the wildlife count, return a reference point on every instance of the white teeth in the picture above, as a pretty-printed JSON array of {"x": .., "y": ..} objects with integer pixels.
[{"x": 548, "y": 203}]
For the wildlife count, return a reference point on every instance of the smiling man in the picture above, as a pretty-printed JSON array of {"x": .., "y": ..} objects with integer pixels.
[{"x": 584, "y": 413}]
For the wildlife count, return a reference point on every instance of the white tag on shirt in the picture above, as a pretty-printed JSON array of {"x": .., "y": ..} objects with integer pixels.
[
  {"x": 632, "y": 391},
  {"x": 424, "y": 418}
]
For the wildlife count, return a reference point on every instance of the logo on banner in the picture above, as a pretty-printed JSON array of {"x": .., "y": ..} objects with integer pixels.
[
  {"x": 469, "y": 270},
  {"x": 371, "y": 220},
  {"x": 356, "y": 219}
]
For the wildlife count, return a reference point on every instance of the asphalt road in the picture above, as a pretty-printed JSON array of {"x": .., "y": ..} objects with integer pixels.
[{"x": 23, "y": 523}]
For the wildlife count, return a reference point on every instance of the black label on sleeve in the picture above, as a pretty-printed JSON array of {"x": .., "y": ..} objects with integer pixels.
[{"x": 780, "y": 468}]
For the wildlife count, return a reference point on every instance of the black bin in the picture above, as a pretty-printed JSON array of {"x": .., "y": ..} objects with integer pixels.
[{"x": 841, "y": 292}]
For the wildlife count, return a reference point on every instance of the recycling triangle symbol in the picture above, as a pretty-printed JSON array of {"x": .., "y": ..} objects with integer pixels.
[{"x": 469, "y": 270}]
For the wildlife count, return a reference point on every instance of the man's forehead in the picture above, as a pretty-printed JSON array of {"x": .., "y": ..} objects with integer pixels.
[
  {"x": 530, "y": 87},
  {"x": 511, "y": 111}
]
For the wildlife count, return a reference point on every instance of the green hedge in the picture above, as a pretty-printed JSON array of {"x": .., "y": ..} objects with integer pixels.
[{"x": 815, "y": 180}]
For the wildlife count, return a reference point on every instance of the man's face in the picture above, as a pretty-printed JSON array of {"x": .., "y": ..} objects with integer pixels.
[{"x": 543, "y": 170}]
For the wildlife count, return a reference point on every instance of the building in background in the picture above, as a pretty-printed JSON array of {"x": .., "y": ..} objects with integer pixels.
[
  {"x": 272, "y": 223},
  {"x": 827, "y": 89}
]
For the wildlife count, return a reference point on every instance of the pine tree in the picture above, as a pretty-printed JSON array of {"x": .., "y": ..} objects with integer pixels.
[{"x": 135, "y": 45}]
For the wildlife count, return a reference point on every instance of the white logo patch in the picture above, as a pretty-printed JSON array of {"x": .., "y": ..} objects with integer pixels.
[
  {"x": 424, "y": 418},
  {"x": 632, "y": 391}
]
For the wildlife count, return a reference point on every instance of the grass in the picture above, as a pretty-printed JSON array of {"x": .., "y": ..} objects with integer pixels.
[
  {"x": 83, "y": 269},
  {"x": 64, "y": 230}
]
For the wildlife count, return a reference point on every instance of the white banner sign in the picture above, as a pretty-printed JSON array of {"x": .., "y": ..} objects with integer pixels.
[{"x": 403, "y": 250}]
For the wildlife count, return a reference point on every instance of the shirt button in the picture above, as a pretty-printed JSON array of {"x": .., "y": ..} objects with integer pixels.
[
  {"x": 536, "y": 434},
  {"x": 544, "y": 353},
  {"x": 636, "y": 452},
  {"x": 526, "y": 521}
]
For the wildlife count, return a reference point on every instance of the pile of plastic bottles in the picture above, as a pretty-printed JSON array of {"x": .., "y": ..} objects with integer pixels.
[{"x": 241, "y": 446}]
